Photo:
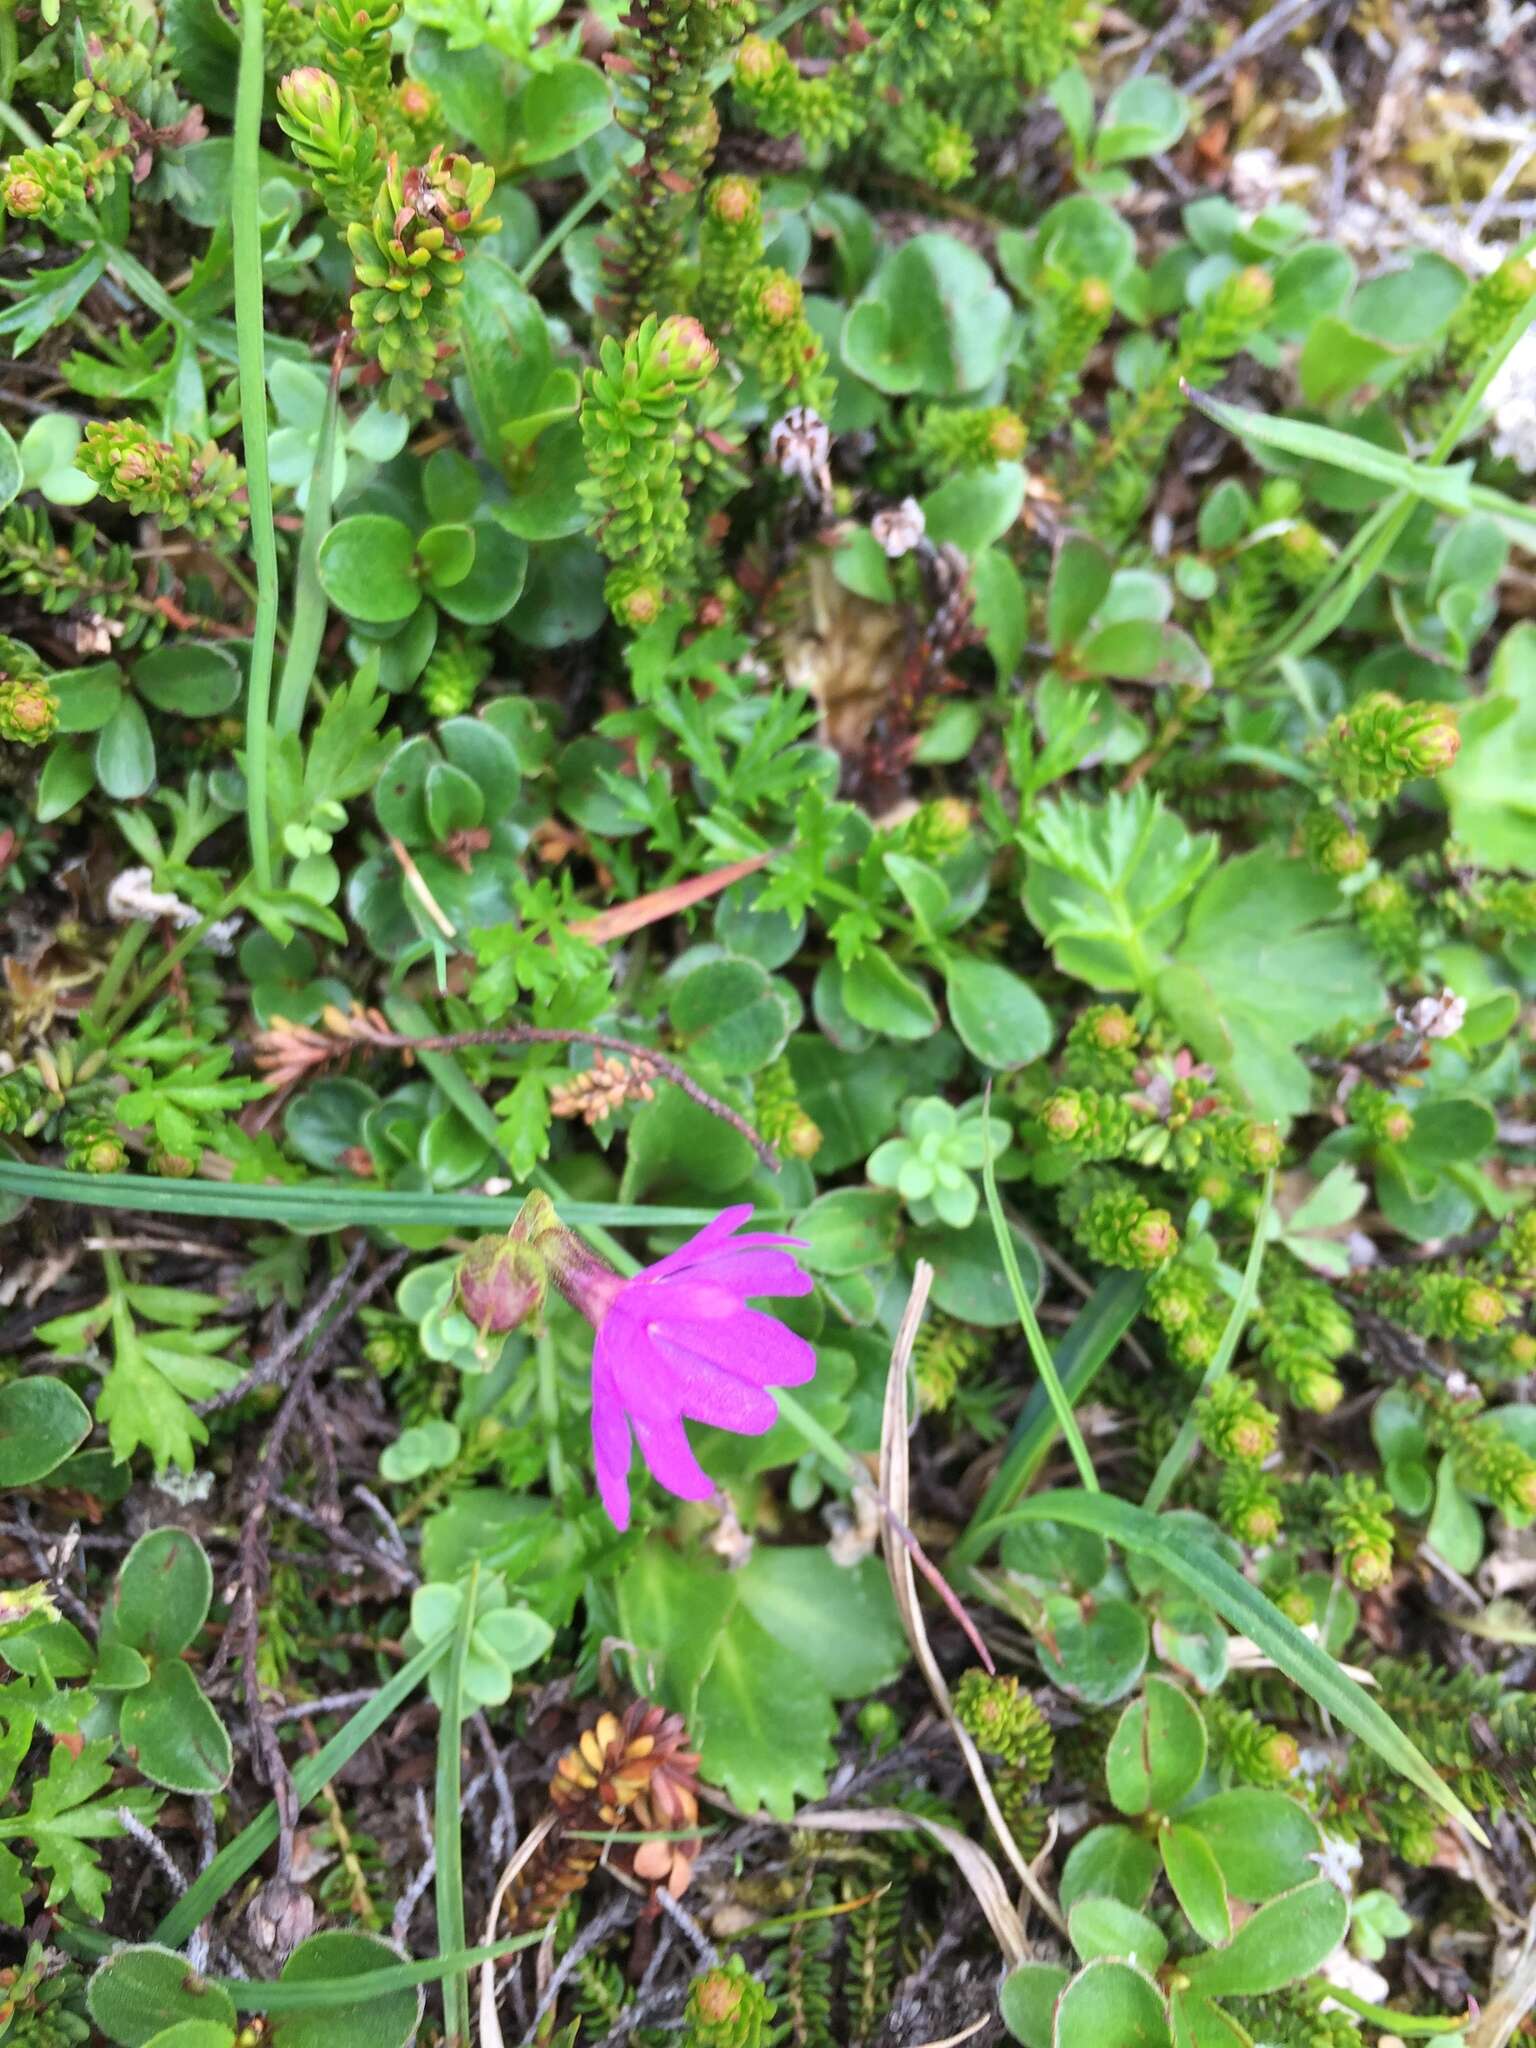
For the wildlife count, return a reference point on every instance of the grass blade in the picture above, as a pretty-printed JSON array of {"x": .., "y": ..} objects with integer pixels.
[
  {"x": 1088, "y": 1345},
  {"x": 1039, "y": 1350},
  {"x": 1207, "y": 1574},
  {"x": 236, "y": 1857},
  {"x": 452, "y": 1933},
  {"x": 319, "y": 1205}
]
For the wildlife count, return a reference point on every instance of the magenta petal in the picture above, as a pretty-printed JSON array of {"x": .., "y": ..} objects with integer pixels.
[
  {"x": 669, "y": 1456},
  {"x": 611, "y": 1447},
  {"x": 754, "y": 1347},
  {"x": 705, "y": 1391},
  {"x": 702, "y": 1244}
]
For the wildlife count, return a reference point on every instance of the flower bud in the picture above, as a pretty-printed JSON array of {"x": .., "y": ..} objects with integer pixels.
[
  {"x": 899, "y": 528},
  {"x": 23, "y": 196},
  {"x": 310, "y": 94},
  {"x": 280, "y": 1917},
  {"x": 683, "y": 348},
  {"x": 500, "y": 1283}
]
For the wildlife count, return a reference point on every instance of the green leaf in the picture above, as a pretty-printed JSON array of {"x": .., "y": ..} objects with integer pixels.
[
  {"x": 1000, "y": 1020},
  {"x": 1096, "y": 1649},
  {"x": 195, "y": 680},
  {"x": 1106, "y": 884},
  {"x": 729, "y": 1014},
  {"x": 164, "y": 1590},
  {"x": 495, "y": 579},
  {"x": 1109, "y": 1862},
  {"x": 1143, "y": 118},
  {"x": 1027, "y": 2001},
  {"x": 977, "y": 507},
  {"x": 195, "y": 2034},
  {"x": 446, "y": 554},
  {"x": 968, "y": 1278},
  {"x": 1490, "y": 787},
  {"x": 840, "y": 1620},
  {"x": 1144, "y": 651},
  {"x": 887, "y": 999},
  {"x": 1450, "y": 489},
  {"x": 42, "y": 1422},
  {"x": 386, "y": 2021},
  {"x": 173, "y": 1734},
  {"x": 1198, "y": 1884},
  {"x": 1197, "y": 2023},
  {"x": 850, "y": 1230},
  {"x": 1111, "y": 2005},
  {"x": 1260, "y": 971},
  {"x": 1080, "y": 577},
  {"x": 68, "y": 775},
  {"x": 139, "y": 1991},
  {"x": 1196, "y": 1563},
  {"x": 673, "y": 1143},
  {"x": 1455, "y": 1528},
  {"x": 367, "y": 568},
  {"x": 1280, "y": 1943},
  {"x": 1157, "y": 1751},
  {"x": 1104, "y": 1927},
  {"x": 1263, "y": 1841},
  {"x": 10, "y": 469},
  {"x": 124, "y": 753},
  {"x": 755, "y": 1658},
  {"x": 930, "y": 320},
  {"x": 557, "y": 110}
]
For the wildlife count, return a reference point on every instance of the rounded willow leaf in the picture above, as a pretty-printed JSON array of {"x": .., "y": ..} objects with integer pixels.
[
  {"x": 1027, "y": 2001},
  {"x": 41, "y": 1423},
  {"x": 1109, "y": 1862},
  {"x": 367, "y": 568},
  {"x": 729, "y": 1014},
  {"x": 1105, "y": 1927},
  {"x": 10, "y": 469},
  {"x": 849, "y": 1230},
  {"x": 1096, "y": 1651},
  {"x": 1111, "y": 2005},
  {"x": 139, "y": 1992},
  {"x": 1264, "y": 1842},
  {"x": 163, "y": 1592},
  {"x": 1000, "y": 1019},
  {"x": 1197, "y": 1882},
  {"x": 1280, "y": 1943},
  {"x": 196, "y": 680},
  {"x": 388, "y": 2021},
  {"x": 124, "y": 753},
  {"x": 195, "y": 2034},
  {"x": 493, "y": 582},
  {"x": 1157, "y": 1751},
  {"x": 173, "y": 1734},
  {"x": 968, "y": 1279}
]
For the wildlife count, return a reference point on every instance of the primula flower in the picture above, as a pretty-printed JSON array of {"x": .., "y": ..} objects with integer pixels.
[{"x": 677, "y": 1343}]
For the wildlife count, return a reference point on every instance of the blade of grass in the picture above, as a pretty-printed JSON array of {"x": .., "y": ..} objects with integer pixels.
[
  {"x": 309, "y": 1774},
  {"x": 324, "y": 1993},
  {"x": 245, "y": 221},
  {"x": 1039, "y": 1350},
  {"x": 320, "y": 1205},
  {"x": 1193, "y": 1560},
  {"x": 1176, "y": 1457},
  {"x": 1088, "y": 1345},
  {"x": 310, "y": 609},
  {"x": 448, "y": 1839}
]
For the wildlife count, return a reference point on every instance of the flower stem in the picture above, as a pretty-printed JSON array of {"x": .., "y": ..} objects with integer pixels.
[{"x": 249, "y": 322}]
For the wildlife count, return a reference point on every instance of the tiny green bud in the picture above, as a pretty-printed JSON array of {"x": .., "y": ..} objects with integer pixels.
[{"x": 500, "y": 1283}]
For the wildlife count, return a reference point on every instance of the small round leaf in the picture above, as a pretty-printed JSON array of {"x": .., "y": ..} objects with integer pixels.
[
  {"x": 173, "y": 1733},
  {"x": 41, "y": 1423},
  {"x": 367, "y": 568},
  {"x": 1157, "y": 1751},
  {"x": 163, "y": 1592},
  {"x": 326, "y": 1959},
  {"x": 138, "y": 1992}
]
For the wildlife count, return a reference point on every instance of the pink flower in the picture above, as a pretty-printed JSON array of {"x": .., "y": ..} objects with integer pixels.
[{"x": 678, "y": 1343}]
